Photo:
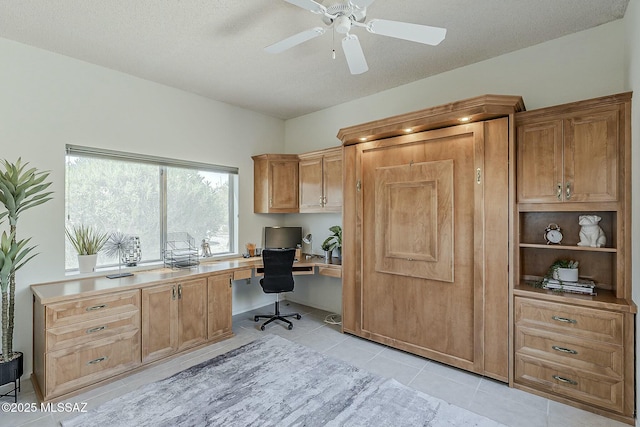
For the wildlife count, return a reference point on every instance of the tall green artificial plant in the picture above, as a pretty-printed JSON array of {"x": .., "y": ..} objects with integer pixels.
[{"x": 20, "y": 190}]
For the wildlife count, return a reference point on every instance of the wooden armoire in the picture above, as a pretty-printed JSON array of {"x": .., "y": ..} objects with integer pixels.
[{"x": 429, "y": 197}]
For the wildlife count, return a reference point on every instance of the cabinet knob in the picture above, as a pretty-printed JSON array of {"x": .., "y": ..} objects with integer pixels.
[
  {"x": 173, "y": 292},
  {"x": 179, "y": 291},
  {"x": 559, "y": 192},
  {"x": 97, "y": 307},
  {"x": 568, "y": 190}
]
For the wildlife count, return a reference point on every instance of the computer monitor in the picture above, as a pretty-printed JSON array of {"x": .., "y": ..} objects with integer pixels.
[{"x": 282, "y": 237}]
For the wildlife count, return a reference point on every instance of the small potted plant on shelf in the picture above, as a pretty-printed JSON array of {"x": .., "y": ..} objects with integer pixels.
[
  {"x": 333, "y": 242},
  {"x": 87, "y": 242},
  {"x": 564, "y": 270},
  {"x": 20, "y": 190}
]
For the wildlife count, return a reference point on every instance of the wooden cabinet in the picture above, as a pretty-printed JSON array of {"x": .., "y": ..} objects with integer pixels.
[
  {"x": 321, "y": 181},
  {"x": 573, "y": 352},
  {"x": 425, "y": 234},
  {"x": 275, "y": 186},
  {"x": 174, "y": 318},
  {"x": 84, "y": 341},
  {"x": 219, "y": 310},
  {"x": 570, "y": 158},
  {"x": 574, "y": 160}
]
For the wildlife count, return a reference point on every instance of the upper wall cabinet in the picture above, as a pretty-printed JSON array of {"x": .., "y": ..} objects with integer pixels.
[
  {"x": 275, "y": 186},
  {"x": 569, "y": 157},
  {"x": 321, "y": 181}
]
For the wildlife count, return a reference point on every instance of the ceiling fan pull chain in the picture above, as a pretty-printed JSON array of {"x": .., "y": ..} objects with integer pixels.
[{"x": 333, "y": 44}]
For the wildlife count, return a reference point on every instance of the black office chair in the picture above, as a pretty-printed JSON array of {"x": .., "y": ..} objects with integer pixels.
[{"x": 278, "y": 277}]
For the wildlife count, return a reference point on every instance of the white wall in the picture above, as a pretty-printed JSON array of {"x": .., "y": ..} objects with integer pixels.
[
  {"x": 632, "y": 35},
  {"x": 579, "y": 66},
  {"x": 48, "y": 100}
]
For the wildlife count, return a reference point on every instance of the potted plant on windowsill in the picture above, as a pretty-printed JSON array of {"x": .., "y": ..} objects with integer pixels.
[
  {"x": 87, "y": 242},
  {"x": 20, "y": 190},
  {"x": 333, "y": 242}
]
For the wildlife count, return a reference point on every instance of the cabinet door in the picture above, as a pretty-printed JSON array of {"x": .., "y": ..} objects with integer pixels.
[
  {"x": 540, "y": 174},
  {"x": 283, "y": 186},
  {"x": 590, "y": 156},
  {"x": 311, "y": 184},
  {"x": 219, "y": 312},
  {"x": 192, "y": 319},
  {"x": 332, "y": 182},
  {"x": 159, "y": 322}
]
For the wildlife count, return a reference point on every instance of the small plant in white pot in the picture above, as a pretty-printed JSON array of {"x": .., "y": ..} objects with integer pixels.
[
  {"x": 564, "y": 270},
  {"x": 87, "y": 242}
]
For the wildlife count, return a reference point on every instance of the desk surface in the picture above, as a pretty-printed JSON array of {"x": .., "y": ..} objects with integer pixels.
[{"x": 52, "y": 292}]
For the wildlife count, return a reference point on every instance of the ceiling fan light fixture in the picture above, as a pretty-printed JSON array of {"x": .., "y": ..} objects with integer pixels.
[{"x": 342, "y": 24}]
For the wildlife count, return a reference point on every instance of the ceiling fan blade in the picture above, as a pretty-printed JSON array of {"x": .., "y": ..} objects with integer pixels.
[
  {"x": 309, "y": 5},
  {"x": 295, "y": 40},
  {"x": 361, "y": 4},
  {"x": 403, "y": 30},
  {"x": 353, "y": 52}
]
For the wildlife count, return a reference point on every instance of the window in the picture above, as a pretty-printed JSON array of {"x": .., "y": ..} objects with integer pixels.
[{"x": 149, "y": 197}]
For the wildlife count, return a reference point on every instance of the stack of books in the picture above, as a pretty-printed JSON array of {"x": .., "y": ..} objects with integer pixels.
[{"x": 582, "y": 286}]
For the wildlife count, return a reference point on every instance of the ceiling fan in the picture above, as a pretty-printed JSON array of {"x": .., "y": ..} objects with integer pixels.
[{"x": 343, "y": 17}]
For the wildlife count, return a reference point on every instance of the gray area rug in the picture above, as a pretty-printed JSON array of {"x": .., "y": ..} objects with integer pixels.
[{"x": 275, "y": 382}]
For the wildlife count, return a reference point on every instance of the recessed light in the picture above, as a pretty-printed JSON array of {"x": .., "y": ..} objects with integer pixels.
[
  {"x": 464, "y": 119},
  {"x": 408, "y": 130},
  {"x": 364, "y": 138}
]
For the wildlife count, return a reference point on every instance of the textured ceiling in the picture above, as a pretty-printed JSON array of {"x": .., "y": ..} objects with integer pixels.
[{"x": 214, "y": 47}]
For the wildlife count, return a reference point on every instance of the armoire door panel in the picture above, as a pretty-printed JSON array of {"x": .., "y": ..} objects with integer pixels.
[
  {"x": 414, "y": 220},
  {"x": 426, "y": 311}
]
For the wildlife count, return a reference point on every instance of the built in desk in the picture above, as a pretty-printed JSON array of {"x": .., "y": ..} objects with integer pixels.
[{"x": 91, "y": 330}]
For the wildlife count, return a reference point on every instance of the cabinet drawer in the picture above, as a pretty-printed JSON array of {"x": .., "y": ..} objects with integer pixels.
[
  {"x": 74, "y": 367},
  {"x": 242, "y": 274},
  {"x": 582, "y": 322},
  {"x": 571, "y": 383},
  {"x": 82, "y": 310},
  {"x": 592, "y": 356},
  {"x": 82, "y": 333},
  {"x": 330, "y": 271}
]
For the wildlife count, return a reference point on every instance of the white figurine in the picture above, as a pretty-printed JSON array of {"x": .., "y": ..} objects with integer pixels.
[
  {"x": 206, "y": 249},
  {"x": 591, "y": 234}
]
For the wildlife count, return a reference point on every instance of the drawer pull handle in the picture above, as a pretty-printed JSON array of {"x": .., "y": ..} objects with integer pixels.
[
  {"x": 97, "y": 329},
  {"x": 564, "y": 380},
  {"x": 97, "y": 307},
  {"x": 98, "y": 360},
  {"x": 563, "y": 350},
  {"x": 564, "y": 319}
]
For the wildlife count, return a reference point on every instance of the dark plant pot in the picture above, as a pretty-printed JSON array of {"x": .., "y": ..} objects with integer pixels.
[{"x": 12, "y": 370}]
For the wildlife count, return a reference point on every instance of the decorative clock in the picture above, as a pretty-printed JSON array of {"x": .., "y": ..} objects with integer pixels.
[{"x": 553, "y": 234}]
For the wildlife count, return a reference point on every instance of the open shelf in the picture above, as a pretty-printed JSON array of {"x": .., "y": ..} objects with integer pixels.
[{"x": 567, "y": 248}]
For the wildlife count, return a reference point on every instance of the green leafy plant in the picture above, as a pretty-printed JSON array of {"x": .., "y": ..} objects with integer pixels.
[
  {"x": 560, "y": 263},
  {"x": 334, "y": 241},
  {"x": 86, "y": 240},
  {"x": 20, "y": 190}
]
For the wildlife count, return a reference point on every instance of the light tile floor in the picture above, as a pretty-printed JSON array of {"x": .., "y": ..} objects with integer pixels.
[{"x": 475, "y": 393}]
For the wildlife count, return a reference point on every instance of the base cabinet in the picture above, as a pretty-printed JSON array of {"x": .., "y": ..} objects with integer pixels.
[
  {"x": 79, "y": 342},
  {"x": 84, "y": 341},
  {"x": 173, "y": 318},
  {"x": 219, "y": 310},
  {"x": 577, "y": 353}
]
